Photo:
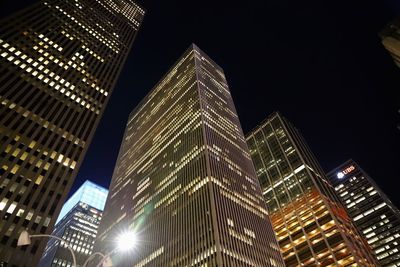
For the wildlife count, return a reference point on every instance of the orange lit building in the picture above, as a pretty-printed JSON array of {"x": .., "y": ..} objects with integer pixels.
[{"x": 312, "y": 228}]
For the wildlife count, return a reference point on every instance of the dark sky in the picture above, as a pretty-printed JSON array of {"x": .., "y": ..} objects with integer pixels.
[{"x": 320, "y": 63}]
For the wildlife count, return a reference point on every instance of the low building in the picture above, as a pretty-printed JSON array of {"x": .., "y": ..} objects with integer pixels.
[{"x": 77, "y": 224}]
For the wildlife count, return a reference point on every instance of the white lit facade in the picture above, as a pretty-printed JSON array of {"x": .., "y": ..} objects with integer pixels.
[
  {"x": 373, "y": 213},
  {"x": 184, "y": 181},
  {"x": 78, "y": 225}
]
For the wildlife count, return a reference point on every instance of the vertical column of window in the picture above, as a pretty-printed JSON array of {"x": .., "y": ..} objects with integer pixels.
[{"x": 264, "y": 146}]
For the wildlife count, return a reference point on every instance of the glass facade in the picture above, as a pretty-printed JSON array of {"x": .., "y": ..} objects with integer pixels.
[
  {"x": 373, "y": 213},
  {"x": 184, "y": 180},
  {"x": 78, "y": 224},
  {"x": 312, "y": 228},
  {"x": 60, "y": 60},
  {"x": 89, "y": 193}
]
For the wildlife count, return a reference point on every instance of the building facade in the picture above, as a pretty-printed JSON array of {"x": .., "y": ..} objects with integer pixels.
[
  {"x": 373, "y": 213},
  {"x": 312, "y": 227},
  {"x": 391, "y": 40},
  {"x": 78, "y": 224},
  {"x": 184, "y": 181},
  {"x": 60, "y": 60}
]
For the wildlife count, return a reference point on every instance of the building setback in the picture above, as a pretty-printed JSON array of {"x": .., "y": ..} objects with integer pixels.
[
  {"x": 77, "y": 224},
  {"x": 312, "y": 227},
  {"x": 184, "y": 180},
  {"x": 373, "y": 213},
  {"x": 60, "y": 60}
]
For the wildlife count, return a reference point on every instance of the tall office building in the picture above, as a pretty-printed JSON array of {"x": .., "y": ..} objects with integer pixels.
[
  {"x": 312, "y": 228},
  {"x": 60, "y": 60},
  {"x": 373, "y": 213},
  {"x": 184, "y": 181},
  {"x": 77, "y": 223},
  {"x": 391, "y": 40}
]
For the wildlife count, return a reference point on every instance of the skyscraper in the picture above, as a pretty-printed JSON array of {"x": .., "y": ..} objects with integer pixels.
[
  {"x": 77, "y": 223},
  {"x": 312, "y": 228},
  {"x": 391, "y": 40},
  {"x": 184, "y": 181},
  {"x": 60, "y": 60},
  {"x": 373, "y": 213}
]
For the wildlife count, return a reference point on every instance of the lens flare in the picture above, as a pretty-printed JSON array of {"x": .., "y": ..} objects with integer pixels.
[{"x": 126, "y": 241}]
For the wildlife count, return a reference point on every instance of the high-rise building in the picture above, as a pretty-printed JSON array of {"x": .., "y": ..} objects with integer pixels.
[
  {"x": 312, "y": 227},
  {"x": 184, "y": 181},
  {"x": 60, "y": 60},
  {"x": 391, "y": 40},
  {"x": 373, "y": 213},
  {"x": 77, "y": 224}
]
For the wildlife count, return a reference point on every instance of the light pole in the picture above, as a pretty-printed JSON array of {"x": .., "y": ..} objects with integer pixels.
[
  {"x": 25, "y": 239},
  {"x": 125, "y": 242},
  {"x": 92, "y": 256},
  {"x": 106, "y": 261}
]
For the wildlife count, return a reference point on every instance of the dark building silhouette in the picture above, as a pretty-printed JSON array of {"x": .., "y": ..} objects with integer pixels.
[
  {"x": 60, "y": 60},
  {"x": 184, "y": 181},
  {"x": 373, "y": 213},
  {"x": 312, "y": 227}
]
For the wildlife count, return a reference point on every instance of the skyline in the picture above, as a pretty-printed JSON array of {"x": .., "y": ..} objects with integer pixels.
[
  {"x": 153, "y": 59},
  {"x": 349, "y": 57}
]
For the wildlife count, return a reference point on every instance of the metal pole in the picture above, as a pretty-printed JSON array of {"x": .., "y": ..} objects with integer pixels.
[{"x": 62, "y": 240}]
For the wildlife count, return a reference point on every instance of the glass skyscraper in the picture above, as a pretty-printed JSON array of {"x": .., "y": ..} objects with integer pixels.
[
  {"x": 60, "y": 60},
  {"x": 77, "y": 224},
  {"x": 184, "y": 180},
  {"x": 371, "y": 210},
  {"x": 312, "y": 227}
]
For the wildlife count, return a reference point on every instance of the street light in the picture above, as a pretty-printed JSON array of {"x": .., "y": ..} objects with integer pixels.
[
  {"x": 105, "y": 260},
  {"x": 125, "y": 242},
  {"x": 24, "y": 239},
  {"x": 92, "y": 256}
]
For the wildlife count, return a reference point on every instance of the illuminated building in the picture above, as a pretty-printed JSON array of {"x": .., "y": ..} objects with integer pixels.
[
  {"x": 60, "y": 60},
  {"x": 391, "y": 40},
  {"x": 373, "y": 213},
  {"x": 77, "y": 224},
  {"x": 184, "y": 181},
  {"x": 312, "y": 228}
]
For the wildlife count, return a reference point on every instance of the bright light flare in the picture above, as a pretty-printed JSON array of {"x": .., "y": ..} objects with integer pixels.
[{"x": 126, "y": 241}]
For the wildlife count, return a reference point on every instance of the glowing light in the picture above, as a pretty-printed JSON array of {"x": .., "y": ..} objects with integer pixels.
[
  {"x": 348, "y": 170},
  {"x": 127, "y": 241}
]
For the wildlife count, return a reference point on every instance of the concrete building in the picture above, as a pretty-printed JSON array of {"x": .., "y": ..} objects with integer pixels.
[
  {"x": 184, "y": 181},
  {"x": 60, "y": 60}
]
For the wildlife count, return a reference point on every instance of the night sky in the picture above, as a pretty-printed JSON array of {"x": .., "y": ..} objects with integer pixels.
[{"x": 320, "y": 63}]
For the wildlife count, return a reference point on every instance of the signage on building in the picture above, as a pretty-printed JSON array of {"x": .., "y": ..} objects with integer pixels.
[{"x": 348, "y": 170}]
